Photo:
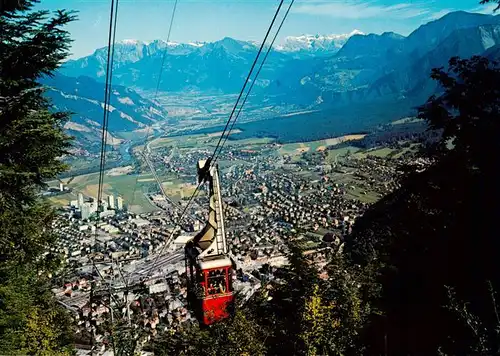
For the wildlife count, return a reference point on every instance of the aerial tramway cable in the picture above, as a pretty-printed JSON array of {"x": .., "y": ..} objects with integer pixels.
[
  {"x": 165, "y": 50},
  {"x": 256, "y": 76},
  {"x": 107, "y": 96},
  {"x": 248, "y": 77},
  {"x": 149, "y": 131},
  {"x": 215, "y": 154}
]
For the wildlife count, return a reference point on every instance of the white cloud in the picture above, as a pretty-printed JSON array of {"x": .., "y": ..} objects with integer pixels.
[
  {"x": 361, "y": 10},
  {"x": 439, "y": 14},
  {"x": 487, "y": 9},
  {"x": 482, "y": 9}
]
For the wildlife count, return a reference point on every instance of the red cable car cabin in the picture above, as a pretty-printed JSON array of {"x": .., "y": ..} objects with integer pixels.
[{"x": 208, "y": 267}]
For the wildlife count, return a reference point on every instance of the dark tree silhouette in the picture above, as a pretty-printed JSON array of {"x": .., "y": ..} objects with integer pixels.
[
  {"x": 32, "y": 140},
  {"x": 491, "y": 1},
  {"x": 440, "y": 229}
]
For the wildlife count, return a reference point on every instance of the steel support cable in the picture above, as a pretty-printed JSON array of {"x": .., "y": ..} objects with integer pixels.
[
  {"x": 158, "y": 182},
  {"x": 107, "y": 99},
  {"x": 165, "y": 50},
  {"x": 255, "y": 78},
  {"x": 248, "y": 77},
  {"x": 109, "y": 75},
  {"x": 111, "y": 296},
  {"x": 220, "y": 140},
  {"x": 172, "y": 234},
  {"x": 110, "y": 54},
  {"x": 164, "y": 56},
  {"x": 107, "y": 95}
]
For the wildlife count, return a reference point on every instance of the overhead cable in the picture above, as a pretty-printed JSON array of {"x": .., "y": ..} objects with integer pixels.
[
  {"x": 149, "y": 130},
  {"x": 211, "y": 161},
  {"x": 248, "y": 77},
  {"x": 256, "y": 76},
  {"x": 107, "y": 94}
]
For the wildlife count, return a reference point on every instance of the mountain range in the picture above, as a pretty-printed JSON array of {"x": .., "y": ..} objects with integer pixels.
[
  {"x": 220, "y": 66},
  {"x": 128, "y": 52},
  {"x": 390, "y": 67},
  {"x": 313, "y": 72}
]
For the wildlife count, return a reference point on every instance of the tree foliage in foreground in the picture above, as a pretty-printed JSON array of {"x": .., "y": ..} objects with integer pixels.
[
  {"x": 300, "y": 314},
  {"x": 491, "y": 2},
  {"x": 32, "y": 44},
  {"x": 439, "y": 229}
]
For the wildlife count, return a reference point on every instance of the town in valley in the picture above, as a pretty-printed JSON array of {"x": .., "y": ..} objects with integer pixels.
[{"x": 270, "y": 191}]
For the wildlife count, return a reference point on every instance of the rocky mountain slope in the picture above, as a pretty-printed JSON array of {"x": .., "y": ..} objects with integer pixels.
[
  {"x": 84, "y": 97},
  {"x": 391, "y": 67},
  {"x": 219, "y": 66}
]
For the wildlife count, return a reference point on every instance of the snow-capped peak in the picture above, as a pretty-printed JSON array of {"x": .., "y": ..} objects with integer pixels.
[
  {"x": 356, "y": 32},
  {"x": 197, "y": 44},
  {"x": 177, "y": 44},
  {"x": 316, "y": 43},
  {"x": 163, "y": 43},
  {"x": 131, "y": 42}
]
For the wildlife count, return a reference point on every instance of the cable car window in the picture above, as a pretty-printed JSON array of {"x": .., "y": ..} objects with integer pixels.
[{"x": 216, "y": 281}]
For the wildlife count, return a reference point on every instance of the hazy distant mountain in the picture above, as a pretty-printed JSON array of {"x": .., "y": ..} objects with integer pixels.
[
  {"x": 83, "y": 96},
  {"x": 221, "y": 66},
  {"x": 369, "y": 45},
  {"x": 126, "y": 52},
  {"x": 357, "y": 64},
  {"x": 370, "y": 65},
  {"x": 428, "y": 36}
]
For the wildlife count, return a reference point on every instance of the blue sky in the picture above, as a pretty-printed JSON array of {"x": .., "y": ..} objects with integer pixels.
[{"x": 210, "y": 20}]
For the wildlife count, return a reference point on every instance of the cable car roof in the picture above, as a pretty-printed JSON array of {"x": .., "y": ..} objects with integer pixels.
[{"x": 217, "y": 263}]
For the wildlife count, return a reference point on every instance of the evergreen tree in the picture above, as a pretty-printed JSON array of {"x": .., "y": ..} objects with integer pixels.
[{"x": 32, "y": 141}]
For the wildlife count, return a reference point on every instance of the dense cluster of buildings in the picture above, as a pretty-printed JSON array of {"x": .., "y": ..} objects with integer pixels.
[
  {"x": 267, "y": 199},
  {"x": 86, "y": 208}
]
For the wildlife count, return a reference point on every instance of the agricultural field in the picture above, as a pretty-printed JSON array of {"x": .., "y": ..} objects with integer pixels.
[
  {"x": 379, "y": 152},
  {"x": 136, "y": 134},
  {"x": 336, "y": 153},
  {"x": 178, "y": 190},
  {"x": 387, "y": 152},
  {"x": 205, "y": 141},
  {"x": 407, "y": 120},
  {"x": 209, "y": 141},
  {"x": 293, "y": 149},
  {"x": 365, "y": 196},
  {"x": 124, "y": 181}
]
